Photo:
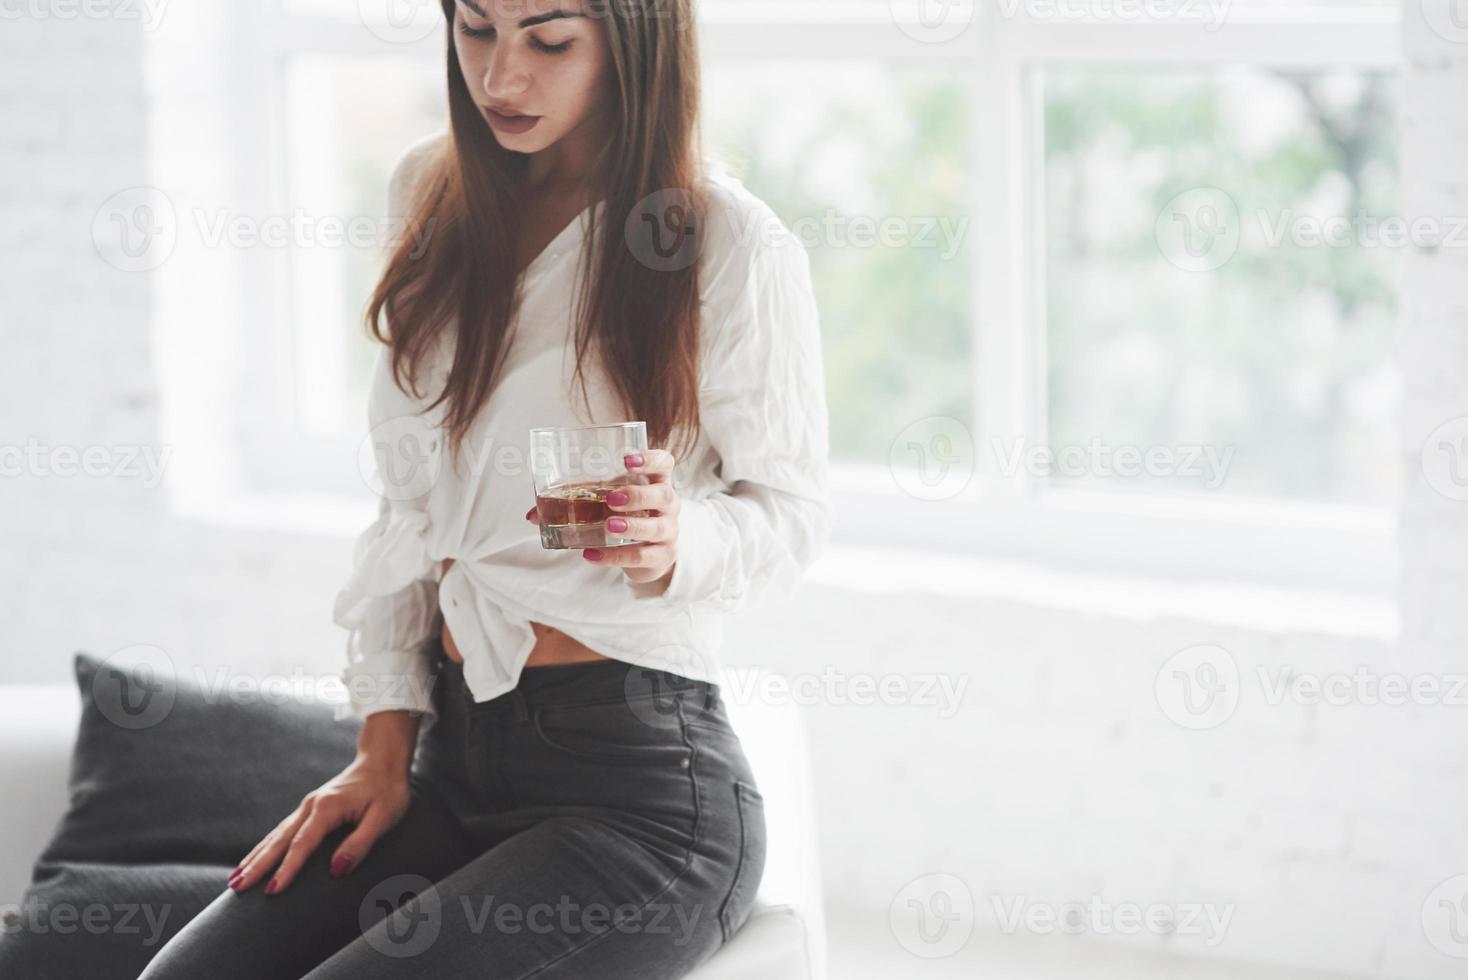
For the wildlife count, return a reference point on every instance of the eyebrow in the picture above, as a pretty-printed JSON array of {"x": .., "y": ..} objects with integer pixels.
[{"x": 528, "y": 21}]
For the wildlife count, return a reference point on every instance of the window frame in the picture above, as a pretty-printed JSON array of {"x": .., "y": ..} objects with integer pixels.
[{"x": 1296, "y": 544}]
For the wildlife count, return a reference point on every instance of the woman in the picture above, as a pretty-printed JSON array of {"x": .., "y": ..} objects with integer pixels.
[{"x": 576, "y": 804}]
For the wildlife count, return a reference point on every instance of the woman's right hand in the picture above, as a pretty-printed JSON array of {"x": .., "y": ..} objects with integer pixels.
[{"x": 367, "y": 793}]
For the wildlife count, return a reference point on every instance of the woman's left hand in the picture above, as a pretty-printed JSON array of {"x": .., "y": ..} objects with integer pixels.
[{"x": 652, "y": 558}]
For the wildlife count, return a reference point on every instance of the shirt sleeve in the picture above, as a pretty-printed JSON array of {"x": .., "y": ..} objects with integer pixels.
[
  {"x": 389, "y": 604},
  {"x": 763, "y": 410}
]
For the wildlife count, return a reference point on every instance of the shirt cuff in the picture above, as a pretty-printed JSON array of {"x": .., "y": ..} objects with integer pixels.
[
  {"x": 392, "y": 680},
  {"x": 698, "y": 573}
]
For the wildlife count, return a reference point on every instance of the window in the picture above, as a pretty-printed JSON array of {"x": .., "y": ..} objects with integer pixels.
[{"x": 996, "y": 202}]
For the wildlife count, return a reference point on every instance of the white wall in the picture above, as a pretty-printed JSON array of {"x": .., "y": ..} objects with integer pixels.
[{"x": 1326, "y": 829}]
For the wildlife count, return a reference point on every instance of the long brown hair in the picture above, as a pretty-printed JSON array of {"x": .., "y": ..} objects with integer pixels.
[{"x": 640, "y": 311}]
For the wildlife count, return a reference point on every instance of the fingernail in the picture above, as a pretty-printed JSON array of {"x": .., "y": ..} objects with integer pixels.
[
  {"x": 592, "y": 554},
  {"x": 530, "y": 513},
  {"x": 616, "y": 524},
  {"x": 236, "y": 873},
  {"x": 632, "y": 459},
  {"x": 341, "y": 865},
  {"x": 617, "y": 498},
  {"x": 273, "y": 887}
]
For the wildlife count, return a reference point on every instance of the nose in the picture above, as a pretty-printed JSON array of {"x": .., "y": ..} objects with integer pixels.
[{"x": 505, "y": 77}]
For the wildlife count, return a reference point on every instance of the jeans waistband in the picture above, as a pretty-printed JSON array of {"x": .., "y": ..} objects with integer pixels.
[{"x": 574, "y": 683}]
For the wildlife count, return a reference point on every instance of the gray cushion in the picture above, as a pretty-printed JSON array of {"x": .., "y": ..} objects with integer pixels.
[
  {"x": 170, "y": 786},
  {"x": 199, "y": 779}
]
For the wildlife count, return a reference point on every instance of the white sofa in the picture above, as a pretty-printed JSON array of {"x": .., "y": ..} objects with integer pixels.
[{"x": 783, "y": 940}]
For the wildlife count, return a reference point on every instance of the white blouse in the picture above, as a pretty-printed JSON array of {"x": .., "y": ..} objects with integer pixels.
[{"x": 756, "y": 506}]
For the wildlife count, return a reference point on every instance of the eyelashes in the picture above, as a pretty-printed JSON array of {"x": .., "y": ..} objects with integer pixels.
[{"x": 487, "y": 32}]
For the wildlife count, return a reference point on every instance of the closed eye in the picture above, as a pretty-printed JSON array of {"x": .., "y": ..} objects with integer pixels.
[{"x": 480, "y": 33}]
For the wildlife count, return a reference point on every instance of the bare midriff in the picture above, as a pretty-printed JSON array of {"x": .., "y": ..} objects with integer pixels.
[{"x": 552, "y": 647}]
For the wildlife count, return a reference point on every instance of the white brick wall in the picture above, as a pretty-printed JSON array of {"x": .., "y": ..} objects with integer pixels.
[{"x": 1325, "y": 828}]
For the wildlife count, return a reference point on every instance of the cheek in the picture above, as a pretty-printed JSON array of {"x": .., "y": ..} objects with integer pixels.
[
  {"x": 576, "y": 83},
  {"x": 472, "y": 62}
]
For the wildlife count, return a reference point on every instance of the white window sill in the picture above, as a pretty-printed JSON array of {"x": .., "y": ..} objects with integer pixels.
[{"x": 1267, "y": 608}]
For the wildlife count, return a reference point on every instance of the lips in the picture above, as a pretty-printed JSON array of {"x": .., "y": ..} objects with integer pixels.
[{"x": 509, "y": 113}]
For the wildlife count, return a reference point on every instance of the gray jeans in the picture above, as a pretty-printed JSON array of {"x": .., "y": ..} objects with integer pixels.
[{"x": 598, "y": 821}]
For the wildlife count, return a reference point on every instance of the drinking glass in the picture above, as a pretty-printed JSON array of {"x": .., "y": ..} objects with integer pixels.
[{"x": 574, "y": 470}]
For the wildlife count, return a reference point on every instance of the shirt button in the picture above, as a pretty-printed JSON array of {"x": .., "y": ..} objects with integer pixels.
[{"x": 683, "y": 763}]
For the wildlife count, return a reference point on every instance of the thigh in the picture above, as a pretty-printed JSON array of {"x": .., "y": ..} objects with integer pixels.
[
  {"x": 571, "y": 897},
  {"x": 264, "y": 937}
]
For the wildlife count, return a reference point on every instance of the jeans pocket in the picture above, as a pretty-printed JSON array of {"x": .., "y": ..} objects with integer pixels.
[
  {"x": 750, "y": 867},
  {"x": 616, "y": 731}
]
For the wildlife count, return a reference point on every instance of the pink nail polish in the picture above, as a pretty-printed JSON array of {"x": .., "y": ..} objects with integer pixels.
[
  {"x": 592, "y": 554},
  {"x": 632, "y": 459},
  {"x": 341, "y": 865},
  {"x": 616, "y": 524},
  {"x": 617, "y": 498},
  {"x": 273, "y": 887}
]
